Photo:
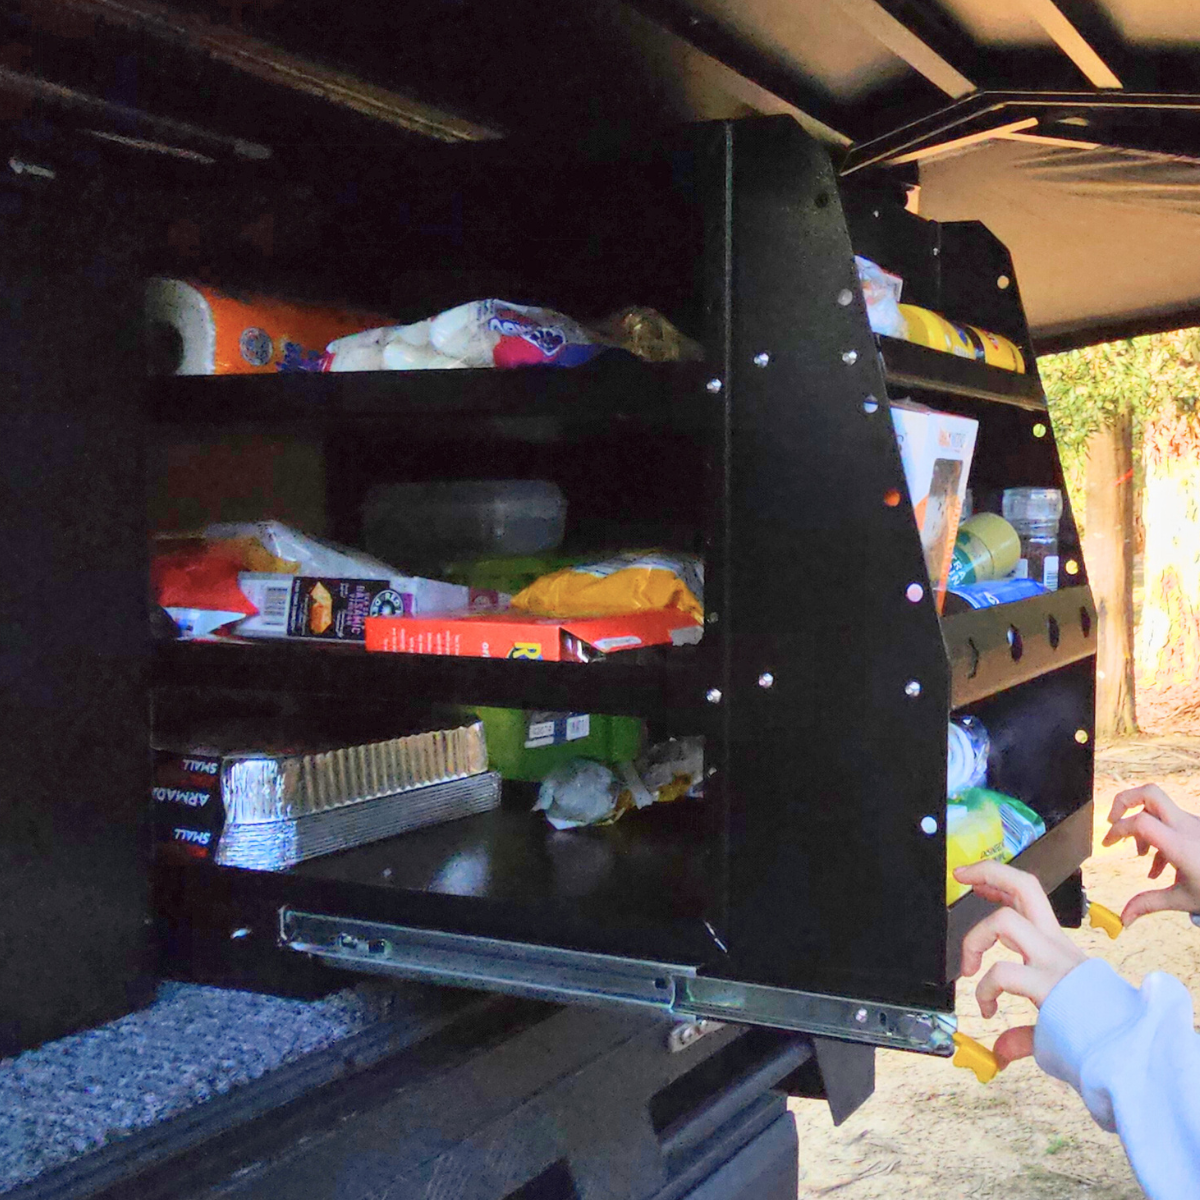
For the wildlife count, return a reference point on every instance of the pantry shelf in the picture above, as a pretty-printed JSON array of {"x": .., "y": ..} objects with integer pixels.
[
  {"x": 614, "y": 388},
  {"x": 991, "y": 649},
  {"x": 908, "y": 365},
  {"x": 668, "y": 683}
]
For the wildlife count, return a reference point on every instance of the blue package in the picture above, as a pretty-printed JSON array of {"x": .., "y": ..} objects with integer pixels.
[{"x": 998, "y": 591}]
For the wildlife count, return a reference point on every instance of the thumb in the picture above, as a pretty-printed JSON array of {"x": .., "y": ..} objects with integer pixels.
[
  {"x": 1158, "y": 900},
  {"x": 1013, "y": 1044}
]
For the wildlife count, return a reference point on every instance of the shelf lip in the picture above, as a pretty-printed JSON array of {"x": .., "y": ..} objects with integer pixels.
[
  {"x": 1052, "y": 859},
  {"x": 610, "y": 687},
  {"x": 981, "y": 656},
  {"x": 910, "y": 365},
  {"x": 616, "y": 387}
]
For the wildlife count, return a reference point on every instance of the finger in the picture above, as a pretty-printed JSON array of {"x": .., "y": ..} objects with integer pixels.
[
  {"x": 1148, "y": 829},
  {"x": 1013, "y": 978},
  {"x": 1003, "y": 884},
  {"x": 1009, "y": 928},
  {"x": 1013, "y": 1044},
  {"x": 1158, "y": 900},
  {"x": 1158, "y": 865},
  {"x": 1150, "y": 796}
]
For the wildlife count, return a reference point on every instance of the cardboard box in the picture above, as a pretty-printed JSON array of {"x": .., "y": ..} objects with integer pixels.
[
  {"x": 511, "y": 633},
  {"x": 936, "y": 449},
  {"x": 303, "y": 606}
]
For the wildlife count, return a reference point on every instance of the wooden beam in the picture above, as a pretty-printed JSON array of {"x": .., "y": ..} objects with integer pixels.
[
  {"x": 970, "y": 139},
  {"x": 1071, "y": 42},
  {"x": 905, "y": 44}
]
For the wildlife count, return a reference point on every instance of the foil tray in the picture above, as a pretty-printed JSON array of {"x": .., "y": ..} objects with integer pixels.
[
  {"x": 275, "y": 845},
  {"x": 263, "y": 788}
]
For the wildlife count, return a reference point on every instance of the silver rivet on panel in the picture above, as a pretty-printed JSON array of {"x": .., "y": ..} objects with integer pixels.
[
  {"x": 713, "y": 695},
  {"x": 762, "y": 359},
  {"x": 845, "y": 296},
  {"x": 766, "y": 680},
  {"x": 850, "y": 357},
  {"x": 861, "y": 1016},
  {"x": 870, "y": 405},
  {"x": 914, "y": 593},
  {"x": 912, "y": 688},
  {"x": 713, "y": 385},
  {"x": 929, "y": 825}
]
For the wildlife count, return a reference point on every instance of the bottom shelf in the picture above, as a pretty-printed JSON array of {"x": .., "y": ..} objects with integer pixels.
[{"x": 651, "y": 864}]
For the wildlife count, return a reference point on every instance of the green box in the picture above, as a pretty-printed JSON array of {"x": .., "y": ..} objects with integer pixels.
[{"x": 564, "y": 736}]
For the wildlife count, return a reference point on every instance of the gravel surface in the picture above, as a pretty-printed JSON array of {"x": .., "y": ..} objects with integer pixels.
[{"x": 74, "y": 1095}]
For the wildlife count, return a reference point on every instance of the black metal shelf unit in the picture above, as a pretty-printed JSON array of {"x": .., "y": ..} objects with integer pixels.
[{"x": 822, "y": 691}]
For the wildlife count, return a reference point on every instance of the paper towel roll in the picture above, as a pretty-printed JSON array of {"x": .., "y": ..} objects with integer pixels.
[{"x": 197, "y": 330}]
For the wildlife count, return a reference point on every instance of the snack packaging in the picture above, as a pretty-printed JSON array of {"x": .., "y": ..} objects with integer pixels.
[
  {"x": 197, "y": 329},
  {"x": 981, "y": 823},
  {"x": 931, "y": 329},
  {"x": 512, "y": 633},
  {"x": 583, "y": 792},
  {"x": 967, "y": 750},
  {"x": 936, "y": 450},
  {"x": 267, "y": 580},
  {"x": 983, "y": 595},
  {"x": 631, "y": 582},
  {"x": 647, "y": 334},
  {"x": 243, "y": 801},
  {"x": 881, "y": 291},
  {"x": 481, "y": 333}
]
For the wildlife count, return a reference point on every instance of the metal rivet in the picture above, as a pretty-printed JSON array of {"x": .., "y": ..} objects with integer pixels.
[
  {"x": 1081, "y": 736},
  {"x": 936, "y": 252},
  {"x": 912, "y": 688},
  {"x": 387, "y": 872},
  {"x": 762, "y": 359},
  {"x": 914, "y": 593},
  {"x": 875, "y": 213},
  {"x": 1071, "y": 567},
  {"x": 929, "y": 825},
  {"x": 712, "y": 617},
  {"x": 850, "y": 357},
  {"x": 870, "y": 405},
  {"x": 713, "y": 385},
  {"x": 713, "y": 695},
  {"x": 766, "y": 680},
  {"x": 845, "y": 297},
  {"x": 1039, "y": 430},
  {"x": 710, "y": 771},
  {"x": 861, "y": 1016},
  {"x": 238, "y": 934},
  {"x": 1002, "y": 282}
]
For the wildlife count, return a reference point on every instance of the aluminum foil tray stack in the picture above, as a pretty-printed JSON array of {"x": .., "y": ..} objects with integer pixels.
[
  {"x": 284, "y": 842},
  {"x": 276, "y": 808}
]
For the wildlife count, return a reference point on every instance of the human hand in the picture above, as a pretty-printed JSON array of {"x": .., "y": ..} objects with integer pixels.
[
  {"x": 1026, "y": 923},
  {"x": 1175, "y": 836}
]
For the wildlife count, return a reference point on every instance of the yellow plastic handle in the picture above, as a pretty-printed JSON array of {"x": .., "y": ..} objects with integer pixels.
[
  {"x": 975, "y": 1057},
  {"x": 1100, "y": 917}
]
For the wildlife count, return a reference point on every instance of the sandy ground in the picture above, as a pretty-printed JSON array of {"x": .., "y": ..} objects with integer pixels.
[{"x": 930, "y": 1129}]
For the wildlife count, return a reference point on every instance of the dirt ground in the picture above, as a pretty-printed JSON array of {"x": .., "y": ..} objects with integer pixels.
[{"x": 930, "y": 1129}]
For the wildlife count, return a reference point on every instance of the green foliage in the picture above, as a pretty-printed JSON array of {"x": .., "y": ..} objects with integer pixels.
[{"x": 1086, "y": 389}]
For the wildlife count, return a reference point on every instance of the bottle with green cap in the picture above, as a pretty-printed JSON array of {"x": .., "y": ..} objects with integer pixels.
[{"x": 987, "y": 547}]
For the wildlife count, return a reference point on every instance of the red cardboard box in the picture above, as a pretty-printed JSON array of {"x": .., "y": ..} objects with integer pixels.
[{"x": 511, "y": 633}]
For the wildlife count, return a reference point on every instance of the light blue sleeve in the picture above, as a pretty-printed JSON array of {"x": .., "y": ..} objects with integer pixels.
[{"x": 1134, "y": 1056}]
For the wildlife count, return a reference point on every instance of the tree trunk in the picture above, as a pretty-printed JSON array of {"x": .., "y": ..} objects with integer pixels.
[
  {"x": 1169, "y": 641},
  {"x": 1108, "y": 551}
]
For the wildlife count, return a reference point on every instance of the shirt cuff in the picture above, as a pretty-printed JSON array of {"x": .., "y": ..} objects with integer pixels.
[{"x": 1083, "y": 1010}]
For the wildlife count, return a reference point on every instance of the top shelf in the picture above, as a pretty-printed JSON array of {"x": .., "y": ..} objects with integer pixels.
[
  {"x": 615, "y": 388},
  {"x": 908, "y": 365}
]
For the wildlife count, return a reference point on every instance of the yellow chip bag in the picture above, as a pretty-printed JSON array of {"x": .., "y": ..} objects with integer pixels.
[
  {"x": 627, "y": 583},
  {"x": 974, "y": 831}
]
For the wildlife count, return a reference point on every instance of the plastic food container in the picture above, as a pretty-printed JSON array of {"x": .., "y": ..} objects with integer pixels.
[{"x": 407, "y": 522}]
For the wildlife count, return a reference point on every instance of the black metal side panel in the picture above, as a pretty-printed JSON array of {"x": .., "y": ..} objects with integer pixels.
[
  {"x": 74, "y": 769},
  {"x": 834, "y": 886}
]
